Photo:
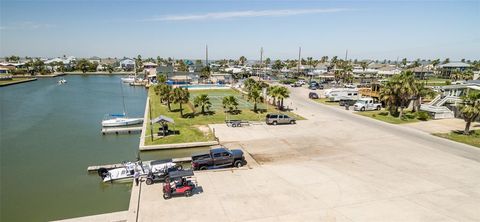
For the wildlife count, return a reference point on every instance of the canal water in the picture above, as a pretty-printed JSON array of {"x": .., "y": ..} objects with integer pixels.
[{"x": 50, "y": 133}]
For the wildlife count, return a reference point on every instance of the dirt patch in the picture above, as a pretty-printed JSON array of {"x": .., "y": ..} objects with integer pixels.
[
  {"x": 277, "y": 158},
  {"x": 204, "y": 129}
]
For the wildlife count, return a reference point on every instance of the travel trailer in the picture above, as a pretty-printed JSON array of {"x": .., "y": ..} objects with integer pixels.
[{"x": 338, "y": 94}]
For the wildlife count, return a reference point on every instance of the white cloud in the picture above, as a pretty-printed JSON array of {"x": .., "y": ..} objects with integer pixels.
[
  {"x": 27, "y": 25},
  {"x": 246, "y": 14}
]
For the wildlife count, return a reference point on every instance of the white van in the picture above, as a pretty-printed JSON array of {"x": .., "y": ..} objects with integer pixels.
[{"x": 338, "y": 94}]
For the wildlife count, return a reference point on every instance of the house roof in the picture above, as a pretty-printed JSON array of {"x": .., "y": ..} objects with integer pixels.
[
  {"x": 420, "y": 69},
  {"x": 455, "y": 65}
]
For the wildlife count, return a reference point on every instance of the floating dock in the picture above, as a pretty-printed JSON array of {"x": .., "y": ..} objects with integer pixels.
[
  {"x": 121, "y": 130},
  {"x": 117, "y": 165}
]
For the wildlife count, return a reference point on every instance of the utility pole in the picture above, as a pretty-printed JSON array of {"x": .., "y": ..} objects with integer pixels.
[
  {"x": 299, "y": 61},
  {"x": 261, "y": 61},
  {"x": 206, "y": 55}
]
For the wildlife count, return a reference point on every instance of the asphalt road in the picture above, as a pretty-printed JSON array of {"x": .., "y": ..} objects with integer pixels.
[{"x": 311, "y": 109}]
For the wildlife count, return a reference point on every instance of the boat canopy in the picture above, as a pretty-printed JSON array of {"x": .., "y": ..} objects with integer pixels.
[
  {"x": 117, "y": 115},
  {"x": 163, "y": 118},
  {"x": 180, "y": 173}
]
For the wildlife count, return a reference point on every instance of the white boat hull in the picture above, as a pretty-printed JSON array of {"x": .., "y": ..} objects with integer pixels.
[
  {"x": 121, "y": 122},
  {"x": 128, "y": 79}
]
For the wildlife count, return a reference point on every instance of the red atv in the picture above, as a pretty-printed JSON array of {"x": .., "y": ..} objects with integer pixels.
[{"x": 181, "y": 183}]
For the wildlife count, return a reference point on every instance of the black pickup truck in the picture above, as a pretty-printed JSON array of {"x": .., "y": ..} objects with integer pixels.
[{"x": 219, "y": 157}]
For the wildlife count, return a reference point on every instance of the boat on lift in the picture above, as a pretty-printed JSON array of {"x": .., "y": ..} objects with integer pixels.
[{"x": 120, "y": 120}]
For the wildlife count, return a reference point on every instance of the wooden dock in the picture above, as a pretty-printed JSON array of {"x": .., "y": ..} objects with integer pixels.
[
  {"x": 117, "y": 165},
  {"x": 120, "y": 130}
]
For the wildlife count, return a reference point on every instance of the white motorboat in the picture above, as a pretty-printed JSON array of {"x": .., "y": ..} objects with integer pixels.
[
  {"x": 120, "y": 120},
  {"x": 126, "y": 172},
  {"x": 128, "y": 79},
  {"x": 62, "y": 81}
]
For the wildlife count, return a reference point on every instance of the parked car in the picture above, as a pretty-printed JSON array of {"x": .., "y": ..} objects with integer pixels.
[
  {"x": 219, "y": 157},
  {"x": 301, "y": 82},
  {"x": 313, "y": 95},
  {"x": 364, "y": 104},
  {"x": 312, "y": 87},
  {"x": 349, "y": 102},
  {"x": 295, "y": 84},
  {"x": 275, "y": 119}
]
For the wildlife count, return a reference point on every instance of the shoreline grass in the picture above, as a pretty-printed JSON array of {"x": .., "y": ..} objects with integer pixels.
[
  {"x": 473, "y": 139},
  {"x": 15, "y": 81}
]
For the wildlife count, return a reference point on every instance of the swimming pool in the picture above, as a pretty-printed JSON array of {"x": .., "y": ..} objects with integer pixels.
[{"x": 206, "y": 86}]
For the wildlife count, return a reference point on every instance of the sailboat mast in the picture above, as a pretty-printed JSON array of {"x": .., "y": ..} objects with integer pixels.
[{"x": 123, "y": 100}]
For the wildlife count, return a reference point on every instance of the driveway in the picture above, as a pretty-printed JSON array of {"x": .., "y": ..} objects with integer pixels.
[{"x": 334, "y": 166}]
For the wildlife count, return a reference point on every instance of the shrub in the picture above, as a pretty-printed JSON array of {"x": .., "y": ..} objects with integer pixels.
[
  {"x": 448, "y": 82},
  {"x": 424, "y": 116},
  {"x": 383, "y": 113}
]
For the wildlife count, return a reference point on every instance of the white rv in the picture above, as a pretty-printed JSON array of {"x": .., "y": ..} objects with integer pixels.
[{"x": 338, "y": 94}]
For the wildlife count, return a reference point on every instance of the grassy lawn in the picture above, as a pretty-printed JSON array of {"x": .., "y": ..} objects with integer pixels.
[
  {"x": 193, "y": 127},
  {"x": 5, "y": 82},
  {"x": 386, "y": 117},
  {"x": 436, "y": 82},
  {"x": 326, "y": 101},
  {"x": 473, "y": 139}
]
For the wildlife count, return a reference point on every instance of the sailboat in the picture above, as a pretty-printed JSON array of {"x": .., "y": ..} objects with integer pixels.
[{"x": 120, "y": 119}]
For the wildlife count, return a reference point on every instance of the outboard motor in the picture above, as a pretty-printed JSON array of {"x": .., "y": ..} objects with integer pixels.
[{"x": 102, "y": 172}]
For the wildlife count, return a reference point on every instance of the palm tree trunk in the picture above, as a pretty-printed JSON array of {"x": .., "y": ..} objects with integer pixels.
[
  {"x": 203, "y": 109},
  {"x": 467, "y": 128},
  {"x": 168, "y": 104},
  {"x": 181, "y": 110},
  {"x": 255, "y": 106},
  {"x": 401, "y": 112},
  {"x": 281, "y": 105}
]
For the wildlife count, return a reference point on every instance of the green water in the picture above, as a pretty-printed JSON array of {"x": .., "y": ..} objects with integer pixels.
[{"x": 50, "y": 133}]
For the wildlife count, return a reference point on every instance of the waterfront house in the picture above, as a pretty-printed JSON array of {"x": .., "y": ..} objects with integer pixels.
[
  {"x": 388, "y": 71},
  {"x": 447, "y": 69},
  {"x": 5, "y": 74},
  {"x": 127, "y": 64},
  {"x": 150, "y": 68},
  {"x": 445, "y": 105},
  {"x": 95, "y": 59},
  {"x": 421, "y": 72}
]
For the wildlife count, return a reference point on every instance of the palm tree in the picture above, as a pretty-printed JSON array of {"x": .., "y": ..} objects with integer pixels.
[
  {"x": 205, "y": 74},
  {"x": 255, "y": 96},
  {"x": 165, "y": 94},
  {"x": 404, "y": 62},
  {"x": 470, "y": 109},
  {"x": 420, "y": 92},
  {"x": 242, "y": 60},
  {"x": 249, "y": 83},
  {"x": 161, "y": 78},
  {"x": 398, "y": 91},
  {"x": 282, "y": 93},
  {"x": 467, "y": 75},
  {"x": 272, "y": 91},
  {"x": 181, "y": 96},
  {"x": 230, "y": 103},
  {"x": 202, "y": 101},
  {"x": 456, "y": 75},
  {"x": 324, "y": 59}
]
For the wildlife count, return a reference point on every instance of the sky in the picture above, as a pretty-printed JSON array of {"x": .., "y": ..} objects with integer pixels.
[{"x": 234, "y": 28}]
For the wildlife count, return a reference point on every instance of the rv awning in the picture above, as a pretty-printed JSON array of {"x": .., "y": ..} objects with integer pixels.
[{"x": 162, "y": 118}]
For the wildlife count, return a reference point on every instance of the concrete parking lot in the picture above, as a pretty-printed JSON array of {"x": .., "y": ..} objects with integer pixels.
[{"x": 334, "y": 166}]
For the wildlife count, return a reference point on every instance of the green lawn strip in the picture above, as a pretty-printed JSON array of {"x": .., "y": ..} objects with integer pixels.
[
  {"x": 473, "y": 139},
  {"x": 326, "y": 101},
  {"x": 189, "y": 127},
  {"x": 386, "y": 117},
  {"x": 14, "y": 80}
]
